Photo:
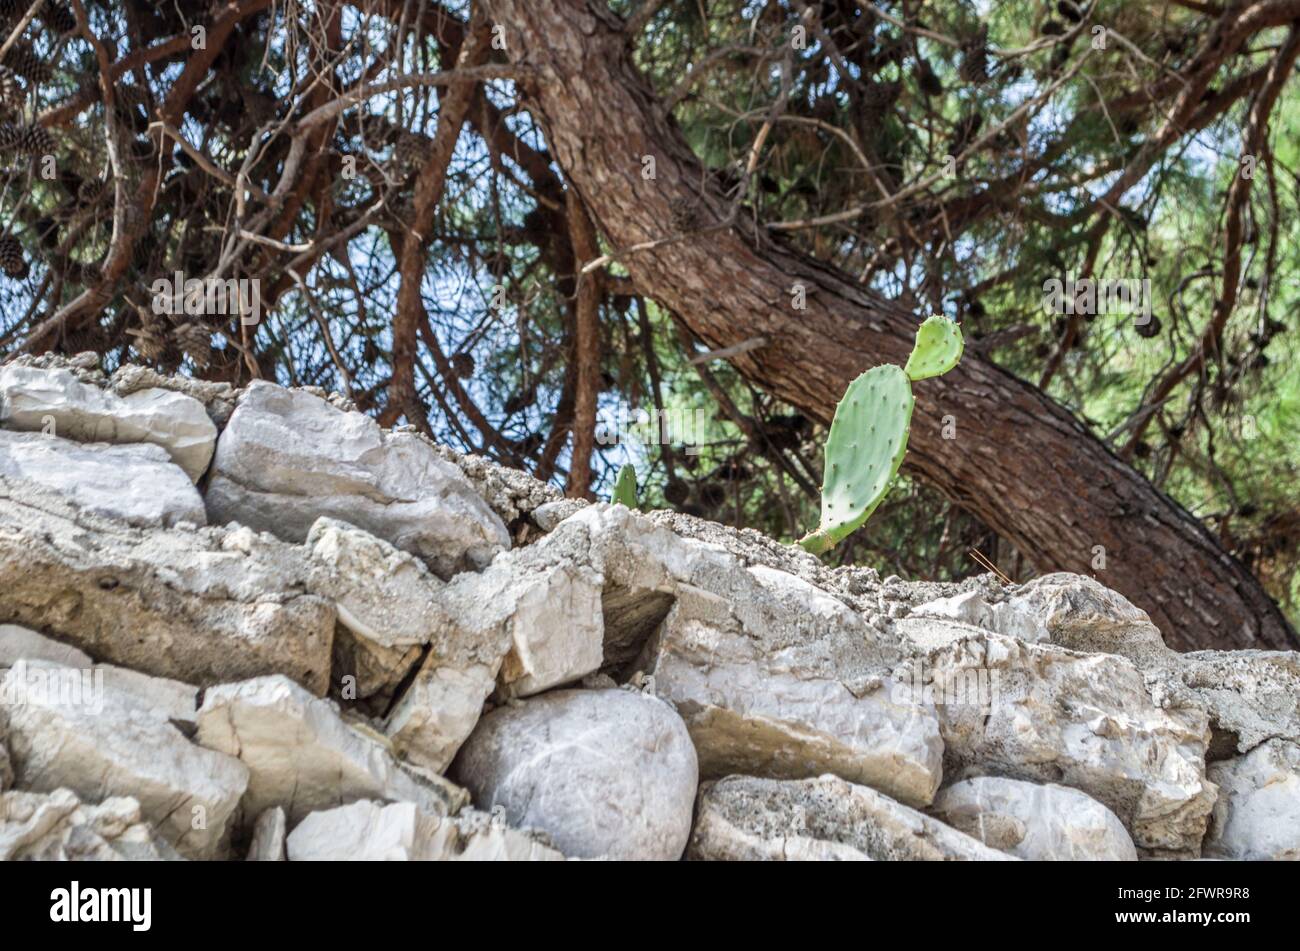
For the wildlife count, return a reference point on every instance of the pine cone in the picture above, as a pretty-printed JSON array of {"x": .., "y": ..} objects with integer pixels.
[
  {"x": 25, "y": 139},
  {"x": 1148, "y": 328},
  {"x": 12, "y": 259},
  {"x": 91, "y": 191},
  {"x": 24, "y": 61},
  {"x": 410, "y": 150},
  {"x": 150, "y": 342},
  {"x": 926, "y": 78},
  {"x": 975, "y": 56},
  {"x": 12, "y": 97},
  {"x": 195, "y": 341},
  {"x": 463, "y": 365},
  {"x": 36, "y": 140},
  {"x": 1069, "y": 10},
  {"x": 879, "y": 98},
  {"x": 57, "y": 17}
]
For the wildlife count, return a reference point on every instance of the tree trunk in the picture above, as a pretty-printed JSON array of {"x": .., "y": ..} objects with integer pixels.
[
  {"x": 1018, "y": 461},
  {"x": 586, "y": 352}
]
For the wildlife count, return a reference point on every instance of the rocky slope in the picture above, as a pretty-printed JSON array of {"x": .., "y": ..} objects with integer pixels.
[{"x": 253, "y": 623}]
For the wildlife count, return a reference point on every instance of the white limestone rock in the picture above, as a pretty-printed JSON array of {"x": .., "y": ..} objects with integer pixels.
[
  {"x": 550, "y": 514},
  {"x": 59, "y": 827},
  {"x": 760, "y": 701},
  {"x": 21, "y": 643},
  {"x": 369, "y": 831},
  {"x": 68, "y": 729},
  {"x": 1257, "y": 816},
  {"x": 138, "y": 484},
  {"x": 751, "y": 819},
  {"x": 288, "y": 457},
  {"x": 303, "y": 756},
  {"x": 436, "y": 713},
  {"x": 1061, "y": 608},
  {"x": 201, "y": 606},
  {"x": 1045, "y": 714},
  {"x": 34, "y": 400},
  {"x": 971, "y": 607},
  {"x": 772, "y": 675},
  {"x": 167, "y": 699},
  {"x": 387, "y": 599},
  {"x": 1251, "y": 696},
  {"x": 602, "y": 772},
  {"x": 546, "y": 608},
  {"x": 1082, "y": 614},
  {"x": 269, "y": 836},
  {"x": 527, "y": 623},
  {"x": 557, "y": 633},
  {"x": 1036, "y": 822}
]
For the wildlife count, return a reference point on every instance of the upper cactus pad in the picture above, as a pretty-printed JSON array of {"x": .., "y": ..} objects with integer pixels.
[{"x": 937, "y": 350}]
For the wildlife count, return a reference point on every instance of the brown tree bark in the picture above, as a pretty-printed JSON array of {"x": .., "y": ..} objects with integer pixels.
[
  {"x": 1019, "y": 461},
  {"x": 586, "y": 352}
]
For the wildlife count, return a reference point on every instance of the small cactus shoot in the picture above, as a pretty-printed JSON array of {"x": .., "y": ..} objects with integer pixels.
[
  {"x": 625, "y": 487},
  {"x": 937, "y": 350},
  {"x": 868, "y": 436}
]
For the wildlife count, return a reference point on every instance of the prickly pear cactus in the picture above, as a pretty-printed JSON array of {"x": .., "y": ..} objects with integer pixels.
[
  {"x": 938, "y": 348},
  {"x": 625, "y": 487},
  {"x": 868, "y": 436}
]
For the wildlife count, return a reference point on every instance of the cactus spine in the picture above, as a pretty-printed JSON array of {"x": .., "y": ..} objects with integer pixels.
[{"x": 868, "y": 436}]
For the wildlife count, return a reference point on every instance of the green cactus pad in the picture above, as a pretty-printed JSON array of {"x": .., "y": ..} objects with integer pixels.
[
  {"x": 625, "y": 487},
  {"x": 864, "y": 449},
  {"x": 938, "y": 348}
]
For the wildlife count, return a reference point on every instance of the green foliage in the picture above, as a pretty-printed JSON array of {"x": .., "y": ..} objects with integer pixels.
[{"x": 868, "y": 437}]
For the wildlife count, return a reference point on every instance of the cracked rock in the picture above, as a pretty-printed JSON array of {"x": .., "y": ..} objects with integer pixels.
[
  {"x": 771, "y": 674},
  {"x": 268, "y": 836},
  {"x": 167, "y": 699},
  {"x": 204, "y": 606},
  {"x": 303, "y": 756},
  {"x": 1250, "y": 695},
  {"x": 21, "y": 643},
  {"x": 529, "y": 622},
  {"x": 59, "y": 827},
  {"x": 750, "y": 819},
  {"x": 69, "y": 729},
  {"x": 387, "y": 600},
  {"x": 1045, "y": 714},
  {"x": 6, "y": 767}
]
